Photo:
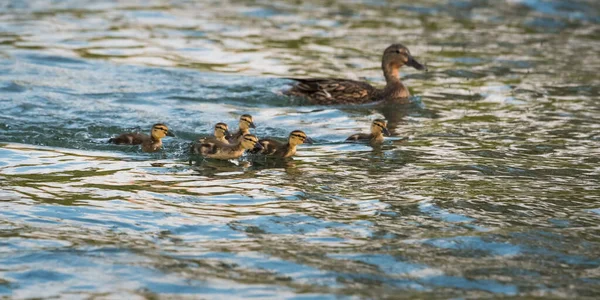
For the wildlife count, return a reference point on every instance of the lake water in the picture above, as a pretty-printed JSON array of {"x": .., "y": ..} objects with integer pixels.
[{"x": 490, "y": 185}]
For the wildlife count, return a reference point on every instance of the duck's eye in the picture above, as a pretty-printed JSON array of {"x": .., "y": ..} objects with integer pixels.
[{"x": 398, "y": 51}]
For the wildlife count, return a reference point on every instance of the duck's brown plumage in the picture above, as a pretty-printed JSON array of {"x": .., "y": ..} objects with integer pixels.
[
  {"x": 343, "y": 91},
  {"x": 221, "y": 132},
  {"x": 149, "y": 143},
  {"x": 375, "y": 138},
  {"x": 246, "y": 122},
  {"x": 219, "y": 150},
  {"x": 275, "y": 148}
]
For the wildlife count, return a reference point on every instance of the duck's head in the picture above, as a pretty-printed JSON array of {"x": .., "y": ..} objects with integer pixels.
[
  {"x": 159, "y": 131},
  {"x": 250, "y": 141},
  {"x": 298, "y": 137},
  {"x": 396, "y": 56},
  {"x": 246, "y": 122},
  {"x": 379, "y": 126},
  {"x": 221, "y": 130}
]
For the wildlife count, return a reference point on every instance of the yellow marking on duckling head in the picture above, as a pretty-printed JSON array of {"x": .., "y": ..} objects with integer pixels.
[
  {"x": 221, "y": 130},
  {"x": 246, "y": 122},
  {"x": 297, "y": 137},
  {"x": 248, "y": 141},
  {"x": 159, "y": 131},
  {"x": 379, "y": 126}
]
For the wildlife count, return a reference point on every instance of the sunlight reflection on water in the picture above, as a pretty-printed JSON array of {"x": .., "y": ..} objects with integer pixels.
[{"x": 488, "y": 187}]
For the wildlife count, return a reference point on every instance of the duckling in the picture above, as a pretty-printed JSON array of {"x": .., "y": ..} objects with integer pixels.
[
  {"x": 220, "y": 134},
  {"x": 246, "y": 123},
  {"x": 219, "y": 150},
  {"x": 150, "y": 143},
  {"x": 274, "y": 148},
  {"x": 375, "y": 138},
  {"x": 329, "y": 91}
]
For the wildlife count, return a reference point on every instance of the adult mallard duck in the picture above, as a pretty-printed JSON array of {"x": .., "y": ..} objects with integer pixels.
[
  {"x": 283, "y": 150},
  {"x": 246, "y": 123},
  {"x": 219, "y": 150},
  {"x": 150, "y": 143},
  {"x": 326, "y": 91},
  {"x": 375, "y": 138}
]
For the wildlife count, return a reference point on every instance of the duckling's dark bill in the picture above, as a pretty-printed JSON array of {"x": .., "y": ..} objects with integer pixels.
[{"x": 386, "y": 132}]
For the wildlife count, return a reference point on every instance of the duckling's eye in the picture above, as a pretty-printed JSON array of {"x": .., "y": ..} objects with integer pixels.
[
  {"x": 398, "y": 51},
  {"x": 298, "y": 136}
]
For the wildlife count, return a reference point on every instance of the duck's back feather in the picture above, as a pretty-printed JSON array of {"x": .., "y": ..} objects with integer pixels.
[
  {"x": 359, "y": 137},
  {"x": 334, "y": 91},
  {"x": 233, "y": 138},
  {"x": 129, "y": 139},
  {"x": 269, "y": 147},
  {"x": 205, "y": 148}
]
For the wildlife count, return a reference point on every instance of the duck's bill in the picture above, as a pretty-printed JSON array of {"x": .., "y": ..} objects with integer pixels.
[
  {"x": 386, "y": 132},
  {"x": 308, "y": 140},
  {"x": 258, "y": 146},
  {"x": 227, "y": 134},
  {"x": 169, "y": 133},
  {"x": 415, "y": 64},
  {"x": 252, "y": 125}
]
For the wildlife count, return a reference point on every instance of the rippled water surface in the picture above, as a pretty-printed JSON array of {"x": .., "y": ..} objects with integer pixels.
[{"x": 488, "y": 187}]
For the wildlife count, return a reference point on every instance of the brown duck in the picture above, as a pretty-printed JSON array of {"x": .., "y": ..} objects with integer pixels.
[
  {"x": 220, "y": 134},
  {"x": 219, "y": 150},
  {"x": 246, "y": 123},
  {"x": 283, "y": 150},
  {"x": 375, "y": 138},
  {"x": 150, "y": 143},
  {"x": 345, "y": 91}
]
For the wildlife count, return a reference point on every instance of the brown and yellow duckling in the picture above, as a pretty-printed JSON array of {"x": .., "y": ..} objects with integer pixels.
[
  {"x": 329, "y": 91},
  {"x": 219, "y": 150},
  {"x": 150, "y": 143},
  {"x": 246, "y": 123},
  {"x": 220, "y": 134},
  {"x": 283, "y": 150},
  {"x": 375, "y": 138}
]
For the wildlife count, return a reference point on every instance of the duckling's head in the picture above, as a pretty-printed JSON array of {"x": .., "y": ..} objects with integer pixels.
[
  {"x": 298, "y": 137},
  {"x": 396, "y": 56},
  {"x": 246, "y": 122},
  {"x": 379, "y": 126},
  {"x": 250, "y": 141},
  {"x": 221, "y": 130},
  {"x": 159, "y": 131}
]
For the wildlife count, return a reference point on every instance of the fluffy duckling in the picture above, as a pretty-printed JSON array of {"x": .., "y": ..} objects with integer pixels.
[
  {"x": 220, "y": 134},
  {"x": 375, "y": 138},
  {"x": 274, "y": 148},
  {"x": 329, "y": 91},
  {"x": 219, "y": 150},
  {"x": 246, "y": 123},
  {"x": 151, "y": 143}
]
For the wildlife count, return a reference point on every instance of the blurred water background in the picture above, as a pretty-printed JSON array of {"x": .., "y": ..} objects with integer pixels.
[{"x": 489, "y": 187}]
